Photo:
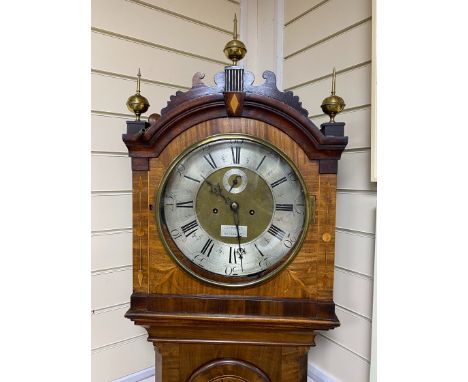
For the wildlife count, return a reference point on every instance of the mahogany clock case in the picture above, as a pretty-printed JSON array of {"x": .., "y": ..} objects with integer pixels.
[{"x": 185, "y": 316}]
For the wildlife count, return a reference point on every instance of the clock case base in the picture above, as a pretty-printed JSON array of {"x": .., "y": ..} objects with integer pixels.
[{"x": 192, "y": 332}]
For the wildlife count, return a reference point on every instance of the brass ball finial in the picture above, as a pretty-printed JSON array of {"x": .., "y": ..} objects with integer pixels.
[
  {"x": 136, "y": 103},
  {"x": 333, "y": 104},
  {"x": 235, "y": 49}
]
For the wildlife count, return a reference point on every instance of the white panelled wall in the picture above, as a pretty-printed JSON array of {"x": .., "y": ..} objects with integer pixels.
[
  {"x": 320, "y": 35},
  {"x": 301, "y": 40},
  {"x": 169, "y": 40}
]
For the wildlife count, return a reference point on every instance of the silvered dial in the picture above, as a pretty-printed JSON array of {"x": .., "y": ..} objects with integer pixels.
[{"x": 235, "y": 208}]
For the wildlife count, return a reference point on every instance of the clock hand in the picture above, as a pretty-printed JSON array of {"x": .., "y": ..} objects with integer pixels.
[
  {"x": 216, "y": 189},
  {"x": 234, "y": 182},
  {"x": 235, "y": 210}
]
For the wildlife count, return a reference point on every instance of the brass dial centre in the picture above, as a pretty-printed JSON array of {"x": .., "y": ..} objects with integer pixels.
[{"x": 220, "y": 193}]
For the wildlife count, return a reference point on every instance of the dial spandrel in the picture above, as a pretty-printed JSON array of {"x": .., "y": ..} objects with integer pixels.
[{"x": 235, "y": 208}]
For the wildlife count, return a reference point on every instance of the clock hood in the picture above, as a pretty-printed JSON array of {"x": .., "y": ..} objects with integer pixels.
[{"x": 233, "y": 95}]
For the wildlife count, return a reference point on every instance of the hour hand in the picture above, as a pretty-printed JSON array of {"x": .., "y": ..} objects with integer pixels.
[{"x": 216, "y": 189}]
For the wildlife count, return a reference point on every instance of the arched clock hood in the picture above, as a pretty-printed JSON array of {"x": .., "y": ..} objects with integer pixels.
[{"x": 234, "y": 95}]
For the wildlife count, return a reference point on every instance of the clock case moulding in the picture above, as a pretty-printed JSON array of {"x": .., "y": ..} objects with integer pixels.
[{"x": 181, "y": 315}]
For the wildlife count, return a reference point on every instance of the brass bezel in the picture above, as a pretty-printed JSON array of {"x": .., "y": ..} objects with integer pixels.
[{"x": 264, "y": 275}]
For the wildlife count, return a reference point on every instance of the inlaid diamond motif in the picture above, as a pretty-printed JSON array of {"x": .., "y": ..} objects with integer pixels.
[{"x": 234, "y": 103}]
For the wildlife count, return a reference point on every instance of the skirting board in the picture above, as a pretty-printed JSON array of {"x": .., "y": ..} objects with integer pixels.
[
  {"x": 138, "y": 376},
  {"x": 314, "y": 374}
]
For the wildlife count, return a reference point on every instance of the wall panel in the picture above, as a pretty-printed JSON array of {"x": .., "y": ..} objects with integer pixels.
[
  {"x": 111, "y": 250},
  {"x": 332, "y": 17},
  {"x": 356, "y": 211},
  {"x": 131, "y": 19},
  {"x": 111, "y": 212},
  {"x": 344, "y": 51},
  {"x": 338, "y": 362},
  {"x": 220, "y": 13},
  {"x": 111, "y": 288},
  {"x": 112, "y": 54},
  {"x": 295, "y": 8},
  {"x": 110, "y": 326},
  {"x": 110, "y": 173},
  {"x": 109, "y": 94},
  {"x": 353, "y": 86},
  {"x": 352, "y": 331},
  {"x": 354, "y": 170},
  {"x": 106, "y": 133},
  {"x": 353, "y": 292},
  {"x": 355, "y": 252},
  {"x": 121, "y": 359},
  {"x": 337, "y": 33}
]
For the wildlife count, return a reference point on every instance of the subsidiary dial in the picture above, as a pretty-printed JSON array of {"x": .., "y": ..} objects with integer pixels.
[{"x": 235, "y": 180}]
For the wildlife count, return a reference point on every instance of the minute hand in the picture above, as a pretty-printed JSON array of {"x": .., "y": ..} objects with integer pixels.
[{"x": 235, "y": 210}]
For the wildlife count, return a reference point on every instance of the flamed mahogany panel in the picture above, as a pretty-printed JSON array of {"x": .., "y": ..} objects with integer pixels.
[
  {"x": 141, "y": 239},
  {"x": 326, "y": 211}
]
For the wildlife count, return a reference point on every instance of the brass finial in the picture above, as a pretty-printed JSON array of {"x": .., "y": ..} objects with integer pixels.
[
  {"x": 333, "y": 104},
  {"x": 235, "y": 49},
  {"x": 136, "y": 103}
]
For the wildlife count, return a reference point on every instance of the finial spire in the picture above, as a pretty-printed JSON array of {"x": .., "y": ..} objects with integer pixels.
[
  {"x": 333, "y": 91},
  {"x": 138, "y": 81},
  {"x": 234, "y": 33},
  {"x": 235, "y": 49}
]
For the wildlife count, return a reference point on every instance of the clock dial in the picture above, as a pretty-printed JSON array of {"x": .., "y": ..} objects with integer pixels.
[{"x": 233, "y": 210}]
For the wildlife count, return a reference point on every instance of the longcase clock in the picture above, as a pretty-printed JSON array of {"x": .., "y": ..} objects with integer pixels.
[{"x": 234, "y": 193}]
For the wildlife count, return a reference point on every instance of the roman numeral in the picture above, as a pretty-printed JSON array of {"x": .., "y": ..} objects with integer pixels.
[
  {"x": 188, "y": 177},
  {"x": 276, "y": 232},
  {"x": 211, "y": 161},
  {"x": 189, "y": 228},
  {"x": 232, "y": 256},
  {"x": 236, "y": 154},
  {"x": 208, "y": 247},
  {"x": 278, "y": 182},
  {"x": 292, "y": 176},
  {"x": 284, "y": 207},
  {"x": 261, "y": 253},
  {"x": 188, "y": 204},
  {"x": 260, "y": 163}
]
